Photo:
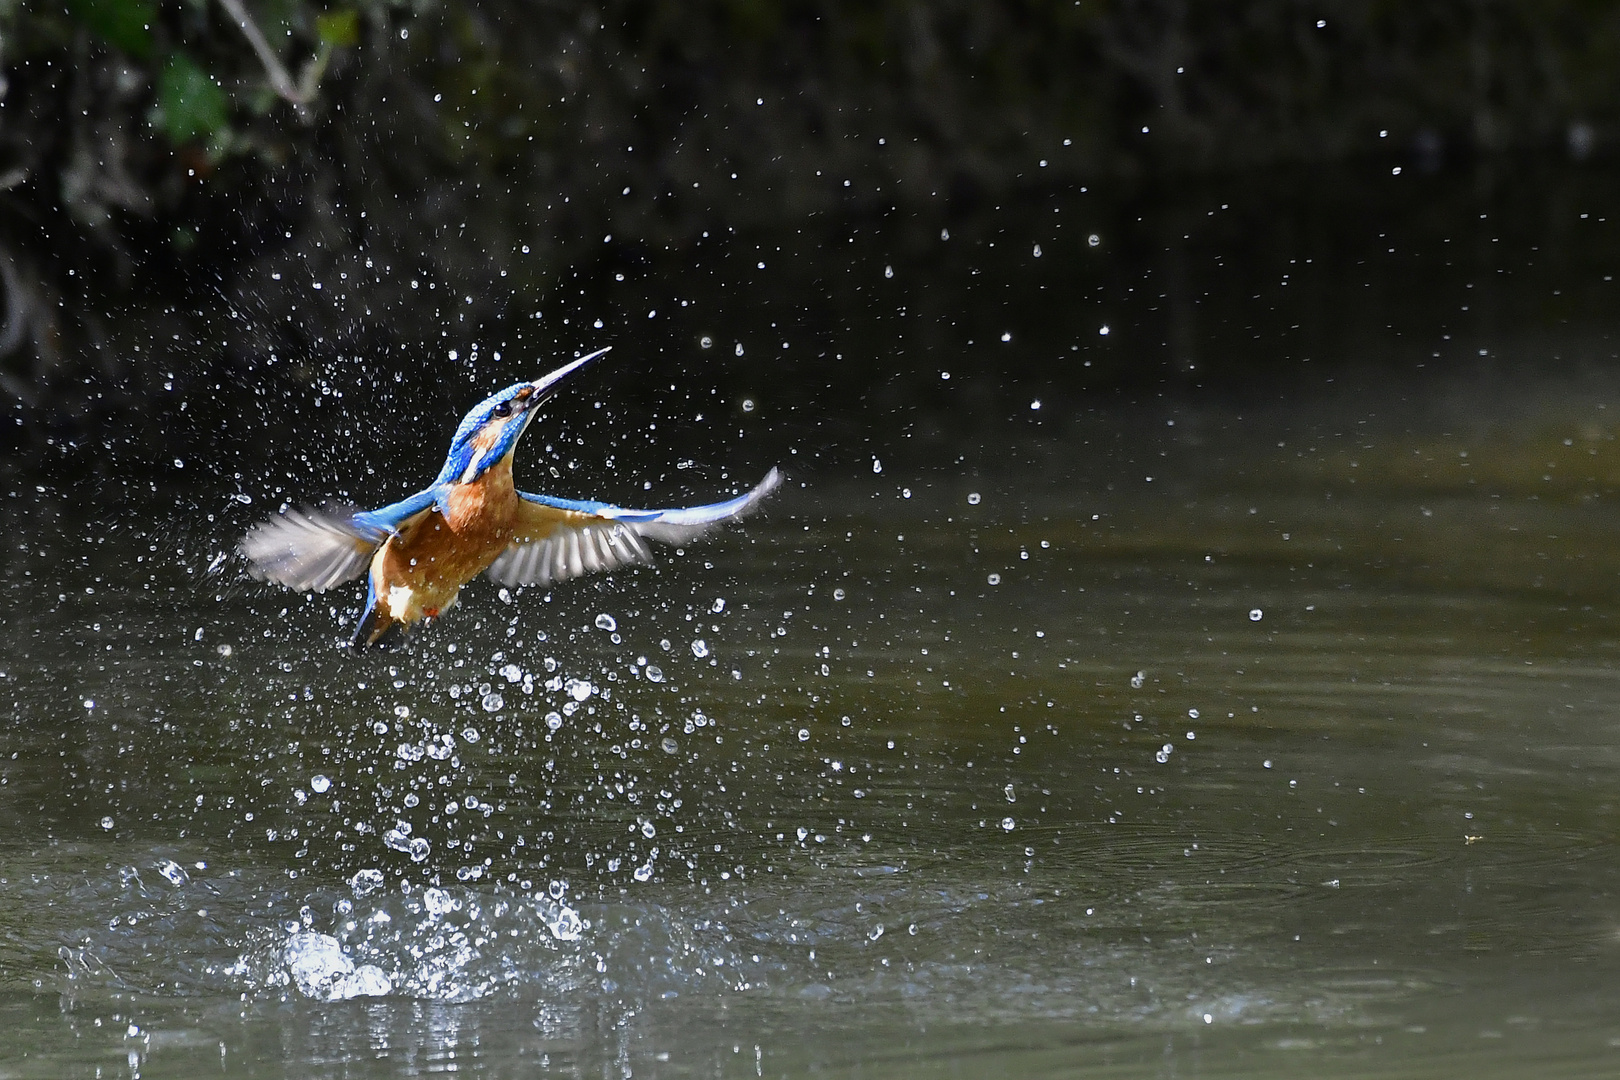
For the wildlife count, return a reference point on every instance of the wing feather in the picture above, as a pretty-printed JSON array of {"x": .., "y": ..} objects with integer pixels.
[
  {"x": 561, "y": 538},
  {"x": 314, "y": 550},
  {"x": 589, "y": 555},
  {"x": 308, "y": 550}
]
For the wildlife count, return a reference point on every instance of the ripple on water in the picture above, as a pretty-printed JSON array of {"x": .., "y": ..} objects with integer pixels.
[
  {"x": 438, "y": 944},
  {"x": 165, "y": 926}
]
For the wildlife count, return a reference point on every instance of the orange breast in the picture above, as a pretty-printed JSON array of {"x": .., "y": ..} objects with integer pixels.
[
  {"x": 487, "y": 505},
  {"x": 425, "y": 566}
]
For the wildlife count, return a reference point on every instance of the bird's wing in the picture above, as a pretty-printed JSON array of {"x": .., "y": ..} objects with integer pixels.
[
  {"x": 388, "y": 520},
  {"x": 313, "y": 550},
  {"x": 561, "y": 538}
]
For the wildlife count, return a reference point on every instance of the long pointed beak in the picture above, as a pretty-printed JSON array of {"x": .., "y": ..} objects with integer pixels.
[{"x": 547, "y": 385}]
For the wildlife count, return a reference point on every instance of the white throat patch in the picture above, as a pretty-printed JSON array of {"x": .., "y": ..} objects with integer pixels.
[{"x": 476, "y": 466}]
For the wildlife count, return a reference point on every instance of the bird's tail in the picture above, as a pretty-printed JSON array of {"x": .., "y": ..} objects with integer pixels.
[{"x": 377, "y": 627}]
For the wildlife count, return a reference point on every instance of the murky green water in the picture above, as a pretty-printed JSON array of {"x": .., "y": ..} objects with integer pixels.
[{"x": 1261, "y": 734}]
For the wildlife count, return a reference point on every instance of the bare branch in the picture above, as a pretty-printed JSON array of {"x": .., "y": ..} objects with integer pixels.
[{"x": 280, "y": 81}]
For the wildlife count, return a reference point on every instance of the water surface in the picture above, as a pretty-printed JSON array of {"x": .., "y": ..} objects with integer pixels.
[{"x": 1148, "y": 733}]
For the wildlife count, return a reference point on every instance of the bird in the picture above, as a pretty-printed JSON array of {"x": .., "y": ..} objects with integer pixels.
[{"x": 417, "y": 553}]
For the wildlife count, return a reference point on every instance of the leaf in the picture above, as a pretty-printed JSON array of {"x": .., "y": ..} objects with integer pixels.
[
  {"x": 339, "y": 28},
  {"x": 123, "y": 24},
  {"x": 190, "y": 104}
]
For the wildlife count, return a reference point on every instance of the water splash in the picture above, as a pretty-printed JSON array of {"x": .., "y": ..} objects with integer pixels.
[{"x": 321, "y": 970}]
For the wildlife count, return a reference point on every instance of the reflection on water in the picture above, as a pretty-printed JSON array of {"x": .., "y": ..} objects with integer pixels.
[{"x": 1229, "y": 737}]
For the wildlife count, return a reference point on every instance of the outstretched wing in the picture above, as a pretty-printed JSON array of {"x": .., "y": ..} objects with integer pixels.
[
  {"x": 313, "y": 550},
  {"x": 560, "y": 538}
]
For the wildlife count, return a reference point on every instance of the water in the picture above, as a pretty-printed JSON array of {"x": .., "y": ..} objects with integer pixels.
[{"x": 1148, "y": 732}]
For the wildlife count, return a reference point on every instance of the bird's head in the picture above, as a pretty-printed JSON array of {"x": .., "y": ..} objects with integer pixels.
[{"x": 490, "y": 431}]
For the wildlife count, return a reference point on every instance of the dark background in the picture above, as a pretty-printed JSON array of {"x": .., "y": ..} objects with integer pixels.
[{"x": 861, "y": 195}]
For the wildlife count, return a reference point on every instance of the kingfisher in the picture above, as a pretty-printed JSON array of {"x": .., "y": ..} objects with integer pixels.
[{"x": 472, "y": 519}]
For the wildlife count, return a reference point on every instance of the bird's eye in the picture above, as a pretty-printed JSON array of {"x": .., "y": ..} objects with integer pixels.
[{"x": 504, "y": 409}]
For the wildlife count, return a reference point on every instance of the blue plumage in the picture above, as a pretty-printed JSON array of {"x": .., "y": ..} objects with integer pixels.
[{"x": 471, "y": 519}]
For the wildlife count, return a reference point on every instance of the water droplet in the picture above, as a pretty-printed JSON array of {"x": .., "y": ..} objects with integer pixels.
[
  {"x": 1138, "y": 679},
  {"x": 1006, "y": 335},
  {"x": 804, "y": 736},
  {"x": 368, "y": 980},
  {"x": 493, "y": 702},
  {"x": 1037, "y": 246},
  {"x": 877, "y": 466},
  {"x": 1255, "y": 615},
  {"x": 606, "y": 622},
  {"x": 566, "y": 925},
  {"x": 553, "y": 720},
  {"x": 888, "y": 271},
  {"x": 974, "y": 498},
  {"x": 718, "y": 606},
  {"x": 838, "y": 594},
  {"x": 366, "y": 882},
  {"x": 317, "y": 965},
  {"x": 320, "y": 784},
  {"x": 1008, "y": 824},
  {"x": 1011, "y": 795},
  {"x": 578, "y": 689},
  {"x": 670, "y": 745},
  {"x": 107, "y": 822},
  {"x": 655, "y": 673},
  {"x": 700, "y": 648},
  {"x": 648, "y": 830},
  {"x": 994, "y": 579}
]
